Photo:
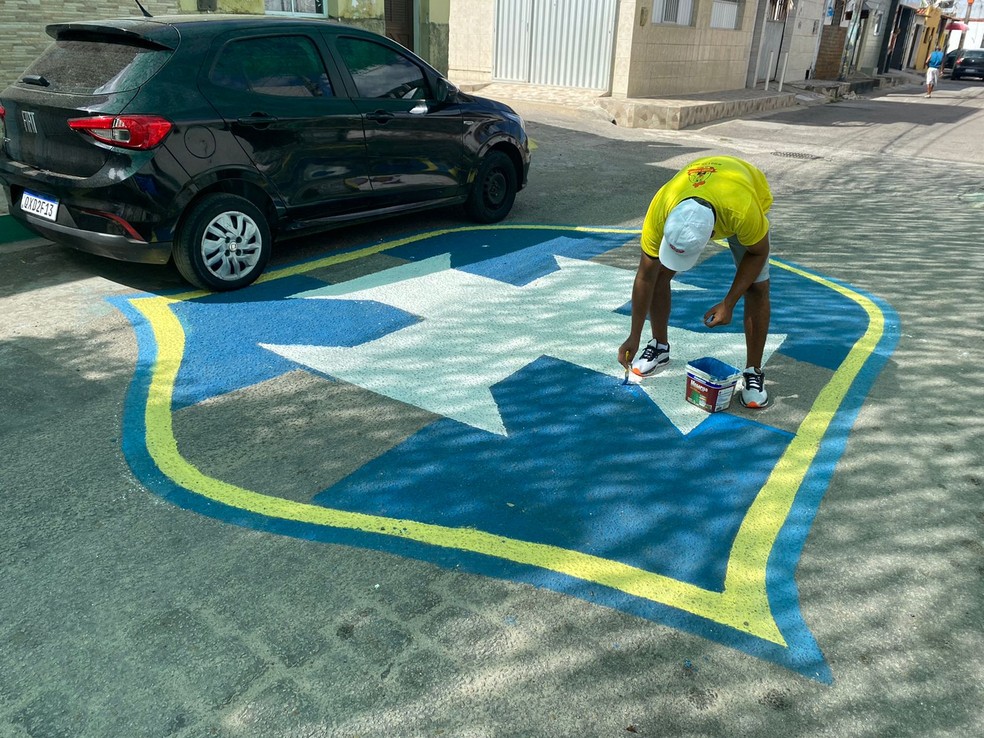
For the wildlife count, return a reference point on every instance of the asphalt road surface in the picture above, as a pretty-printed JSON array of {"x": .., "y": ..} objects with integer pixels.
[{"x": 398, "y": 488}]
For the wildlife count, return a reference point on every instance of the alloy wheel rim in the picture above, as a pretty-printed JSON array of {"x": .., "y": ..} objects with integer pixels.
[{"x": 231, "y": 245}]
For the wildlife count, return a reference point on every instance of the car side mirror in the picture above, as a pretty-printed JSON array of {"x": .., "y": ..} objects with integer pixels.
[
  {"x": 443, "y": 91},
  {"x": 446, "y": 91}
]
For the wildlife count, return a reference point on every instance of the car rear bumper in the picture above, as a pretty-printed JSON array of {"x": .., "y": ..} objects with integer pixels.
[
  {"x": 86, "y": 220},
  {"x": 109, "y": 245}
]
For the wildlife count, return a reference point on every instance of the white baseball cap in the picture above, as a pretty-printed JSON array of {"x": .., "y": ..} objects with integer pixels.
[{"x": 688, "y": 228}]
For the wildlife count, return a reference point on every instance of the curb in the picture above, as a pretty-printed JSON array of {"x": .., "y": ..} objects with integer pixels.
[{"x": 678, "y": 113}]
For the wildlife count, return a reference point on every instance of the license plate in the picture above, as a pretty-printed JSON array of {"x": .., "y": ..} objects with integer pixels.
[{"x": 43, "y": 207}]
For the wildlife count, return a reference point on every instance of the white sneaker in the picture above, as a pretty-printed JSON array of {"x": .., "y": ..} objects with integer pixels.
[
  {"x": 654, "y": 357},
  {"x": 753, "y": 392}
]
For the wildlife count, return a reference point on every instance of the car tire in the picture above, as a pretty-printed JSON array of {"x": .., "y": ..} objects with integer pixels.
[
  {"x": 494, "y": 190},
  {"x": 223, "y": 243},
  {"x": 954, "y": 77}
]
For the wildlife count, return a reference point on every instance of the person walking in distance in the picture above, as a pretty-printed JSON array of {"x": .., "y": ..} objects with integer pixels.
[
  {"x": 713, "y": 197},
  {"x": 934, "y": 65}
]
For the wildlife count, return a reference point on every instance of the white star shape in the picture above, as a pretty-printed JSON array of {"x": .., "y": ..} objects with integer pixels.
[{"x": 475, "y": 331}]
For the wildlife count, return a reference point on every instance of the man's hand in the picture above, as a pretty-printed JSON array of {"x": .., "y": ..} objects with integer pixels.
[
  {"x": 720, "y": 314},
  {"x": 755, "y": 258},
  {"x": 627, "y": 351}
]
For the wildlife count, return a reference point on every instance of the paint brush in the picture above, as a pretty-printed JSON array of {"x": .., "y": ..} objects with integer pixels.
[{"x": 626, "y": 380}]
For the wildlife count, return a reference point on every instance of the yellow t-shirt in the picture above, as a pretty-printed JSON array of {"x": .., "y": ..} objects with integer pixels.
[{"x": 737, "y": 190}]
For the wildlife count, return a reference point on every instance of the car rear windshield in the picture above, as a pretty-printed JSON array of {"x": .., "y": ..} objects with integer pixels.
[
  {"x": 975, "y": 55},
  {"x": 95, "y": 67}
]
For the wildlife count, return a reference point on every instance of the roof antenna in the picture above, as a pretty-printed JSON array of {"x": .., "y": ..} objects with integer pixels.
[{"x": 143, "y": 9}]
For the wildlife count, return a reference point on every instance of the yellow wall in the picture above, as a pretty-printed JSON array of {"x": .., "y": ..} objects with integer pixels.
[
  {"x": 930, "y": 37},
  {"x": 438, "y": 11}
]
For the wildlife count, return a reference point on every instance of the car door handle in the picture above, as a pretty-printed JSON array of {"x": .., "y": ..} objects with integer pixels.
[
  {"x": 380, "y": 116},
  {"x": 257, "y": 120}
]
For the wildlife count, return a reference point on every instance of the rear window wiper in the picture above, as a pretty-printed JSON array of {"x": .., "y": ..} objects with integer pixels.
[{"x": 35, "y": 79}]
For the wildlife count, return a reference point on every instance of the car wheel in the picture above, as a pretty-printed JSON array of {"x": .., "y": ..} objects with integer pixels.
[
  {"x": 494, "y": 190},
  {"x": 223, "y": 243},
  {"x": 954, "y": 76}
]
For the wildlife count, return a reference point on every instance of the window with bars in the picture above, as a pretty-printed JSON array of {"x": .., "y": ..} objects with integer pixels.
[
  {"x": 678, "y": 12},
  {"x": 295, "y": 7}
]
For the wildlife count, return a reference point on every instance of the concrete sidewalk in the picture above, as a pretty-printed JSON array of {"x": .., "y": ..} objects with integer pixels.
[{"x": 683, "y": 111}]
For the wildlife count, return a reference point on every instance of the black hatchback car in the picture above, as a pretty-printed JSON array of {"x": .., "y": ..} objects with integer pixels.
[
  {"x": 969, "y": 63},
  {"x": 205, "y": 137},
  {"x": 949, "y": 59}
]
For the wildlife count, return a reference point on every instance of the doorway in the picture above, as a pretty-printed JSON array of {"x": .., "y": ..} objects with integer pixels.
[{"x": 399, "y": 21}]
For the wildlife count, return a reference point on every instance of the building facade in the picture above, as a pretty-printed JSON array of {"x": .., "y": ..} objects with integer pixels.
[
  {"x": 918, "y": 29},
  {"x": 635, "y": 48}
]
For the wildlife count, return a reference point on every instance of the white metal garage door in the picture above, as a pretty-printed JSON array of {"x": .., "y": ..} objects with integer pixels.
[
  {"x": 771, "y": 49},
  {"x": 566, "y": 43}
]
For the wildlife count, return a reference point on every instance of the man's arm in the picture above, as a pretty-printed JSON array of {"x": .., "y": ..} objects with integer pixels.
[
  {"x": 642, "y": 298},
  {"x": 748, "y": 270}
]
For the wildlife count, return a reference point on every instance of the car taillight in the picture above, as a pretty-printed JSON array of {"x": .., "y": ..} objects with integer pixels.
[
  {"x": 959, "y": 60},
  {"x": 3, "y": 122},
  {"x": 127, "y": 131}
]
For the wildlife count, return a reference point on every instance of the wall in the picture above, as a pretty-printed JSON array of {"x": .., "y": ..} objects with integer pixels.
[
  {"x": 433, "y": 33},
  {"x": 869, "y": 57},
  {"x": 797, "y": 52},
  {"x": 470, "y": 42},
  {"x": 367, "y": 14},
  {"x": 222, "y": 6},
  {"x": 675, "y": 60},
  {"x": 831, "y": 52},
  {"x": 973, "y": 39},
  {"x": 627, "y": 20},
  {"x": 650, "y": 60},
  {"x": 933, "y": 36},
  {"x": 803, "y": 38}
]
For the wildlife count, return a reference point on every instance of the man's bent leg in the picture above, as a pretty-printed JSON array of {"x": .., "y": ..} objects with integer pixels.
[
  {"x": 758, "y": 309},
  {"x": 659, "y": 308},
  {"x": 758, "y": 314}
]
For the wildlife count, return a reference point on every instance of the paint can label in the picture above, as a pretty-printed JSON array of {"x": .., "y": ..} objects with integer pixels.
[{"x": 711, "y": 384}]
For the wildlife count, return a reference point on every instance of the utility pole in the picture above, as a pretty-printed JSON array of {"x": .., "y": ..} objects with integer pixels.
[{"x": 963, "y": 34}]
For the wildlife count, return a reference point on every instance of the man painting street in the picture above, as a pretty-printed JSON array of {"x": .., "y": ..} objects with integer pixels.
[{"x": 711, "y": 198}]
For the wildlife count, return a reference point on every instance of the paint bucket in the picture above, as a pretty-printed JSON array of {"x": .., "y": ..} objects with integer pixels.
[{"x": 711, "y": 384}]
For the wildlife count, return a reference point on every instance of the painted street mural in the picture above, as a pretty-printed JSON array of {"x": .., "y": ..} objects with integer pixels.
[{"x": 454, "y": 397}]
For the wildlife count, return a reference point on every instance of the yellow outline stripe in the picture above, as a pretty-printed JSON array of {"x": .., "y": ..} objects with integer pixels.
[{"x": 743, "y": 605}]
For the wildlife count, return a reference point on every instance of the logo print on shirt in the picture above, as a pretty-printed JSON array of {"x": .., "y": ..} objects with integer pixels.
[{"x": 698, "y": 175}]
